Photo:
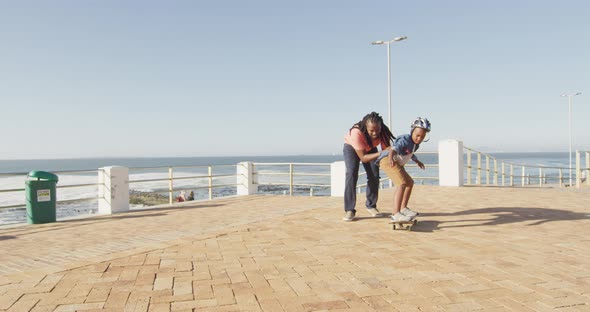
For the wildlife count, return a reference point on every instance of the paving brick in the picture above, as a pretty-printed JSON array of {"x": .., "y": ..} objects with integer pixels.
[
  {"x": 79, "y": 307},
  {"x": 24, "y": 305},
  {"x": 116, "y": 299},
  {"x": 44, "y": 308},
  {"x": 137, "y": 305},
  {"x": 8, "y": 299},
  {"x": 98, "y": 295},
  {"x": 159, "y": 307},
  {"x": 271, "y": 305},
  {"x": 248, "y": 302},
  {"x": 201, "y": 291},
  {"x": 224, "y": 294},
  {"x": 325, "y": 305},
  {"x": 163, "y": 283},
  {"x": 170, "y": 298}
]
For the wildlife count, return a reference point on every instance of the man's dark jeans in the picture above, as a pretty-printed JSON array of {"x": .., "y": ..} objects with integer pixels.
[{"x": 352, "y": 161}]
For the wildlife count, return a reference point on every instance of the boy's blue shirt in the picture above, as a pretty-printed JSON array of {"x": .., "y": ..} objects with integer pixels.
[{"x": 403, "y": 145}]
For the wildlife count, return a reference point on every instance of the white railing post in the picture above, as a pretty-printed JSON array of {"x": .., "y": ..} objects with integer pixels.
[
  {"x": 113, "y": 189},
  {"x": 468, "y": 167},
  {"x": 210, "y": 172},
  {"x": 511, "y": 175},
  {"x": 487, "y": 170},
  {"x": 587, "y": 168},
  {"x": 478, "y": 180},
  {"x": 245, "y": 179},
  {"x": 337, "y": 178},
  {"x": 495, "y": 171},
  {"x": 503, "y": 174},
  {"x": 290, "y": 179},
  {"x": 170, "y": 185},
  {"x": 578, "y": 170},
  {"x": 522, "y": 178},
  {"x": 450, "y": 163}
]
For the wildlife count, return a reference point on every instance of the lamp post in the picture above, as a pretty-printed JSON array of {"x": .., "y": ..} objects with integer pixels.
[
  {"x": 569, "y": 101},
  {"x": 380, "y": 42}
]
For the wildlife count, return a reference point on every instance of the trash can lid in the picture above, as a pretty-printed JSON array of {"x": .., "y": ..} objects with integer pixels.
[{"x": 43, "y": 175}]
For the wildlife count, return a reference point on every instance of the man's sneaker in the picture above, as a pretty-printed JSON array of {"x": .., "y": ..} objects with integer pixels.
[
  {"x": 374, "y": 212},
  {"x": 409, "y": 212},
  {"x": 398, "y": 217},
  {"x": 349, "y": 216}
]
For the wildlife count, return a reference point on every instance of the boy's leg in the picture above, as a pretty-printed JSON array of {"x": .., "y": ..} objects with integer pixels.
[
  {"x": 407, "y": 195},
  {"x": 395, "y": 174},
  {"x": 351, "y": 162},
  {"x": 372, "y": 191},
  {"x": 398, "y": 198},
  {"x": 409, "y": 182}
]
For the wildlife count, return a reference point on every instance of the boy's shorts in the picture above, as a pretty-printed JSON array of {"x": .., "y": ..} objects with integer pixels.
[{"x": 397, "y": 173}]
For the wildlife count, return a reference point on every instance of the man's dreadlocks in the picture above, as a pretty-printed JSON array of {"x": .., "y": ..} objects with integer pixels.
[{"x": 386, "y": 136}]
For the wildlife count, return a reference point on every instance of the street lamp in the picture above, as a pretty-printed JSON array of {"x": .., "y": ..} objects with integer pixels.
[
  {"x": 569, "y": 101},
  {"x": 379, "y": 42}
]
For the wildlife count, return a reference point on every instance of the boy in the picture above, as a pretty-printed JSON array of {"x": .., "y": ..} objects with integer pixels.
[{"x": 392, "y": 161}]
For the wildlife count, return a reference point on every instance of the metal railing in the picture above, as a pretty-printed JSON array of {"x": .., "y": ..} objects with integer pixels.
[
  {"x": 208, "y": 181},
  {"x": 430, "y": 172},
  {"x": 191, "y": 177},
  {"x": 503, "y": 173},
  {"x": 291, "y": 178}
]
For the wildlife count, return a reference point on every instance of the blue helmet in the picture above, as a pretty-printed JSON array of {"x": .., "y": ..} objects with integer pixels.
[{"x": 421, "y": 123}]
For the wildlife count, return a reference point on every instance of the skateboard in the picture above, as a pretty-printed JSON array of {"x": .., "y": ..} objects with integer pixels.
[{"x": 403, "y": 225}]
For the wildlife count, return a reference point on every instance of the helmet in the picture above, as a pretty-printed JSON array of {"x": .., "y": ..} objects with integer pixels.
[{"x": 421, "y": 123}]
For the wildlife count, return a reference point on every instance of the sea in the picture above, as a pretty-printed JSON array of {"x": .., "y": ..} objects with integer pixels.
[{"x": 81, "y": 201}]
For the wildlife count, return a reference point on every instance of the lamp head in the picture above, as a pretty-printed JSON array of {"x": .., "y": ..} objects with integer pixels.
[
  {"x": 377, "y": 42},
  {"x": 400, "y": 38},
  {"x": 572, "y": 94}
]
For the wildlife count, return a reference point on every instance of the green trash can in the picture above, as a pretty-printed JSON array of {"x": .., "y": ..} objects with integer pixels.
[{"x": 41, "y": 197}]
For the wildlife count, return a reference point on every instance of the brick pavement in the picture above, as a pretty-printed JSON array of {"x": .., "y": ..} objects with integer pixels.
[{"x": 474, "y": 249}]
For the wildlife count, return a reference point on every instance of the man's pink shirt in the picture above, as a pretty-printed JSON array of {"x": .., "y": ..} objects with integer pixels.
[{"x": 357, "y": 140}]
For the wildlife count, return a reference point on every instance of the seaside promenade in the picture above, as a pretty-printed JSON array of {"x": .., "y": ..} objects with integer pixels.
[{"x": 474, "y": 249}]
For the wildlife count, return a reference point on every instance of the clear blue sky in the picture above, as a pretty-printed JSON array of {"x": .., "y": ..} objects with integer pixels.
[{"x": 220, "y": 78}]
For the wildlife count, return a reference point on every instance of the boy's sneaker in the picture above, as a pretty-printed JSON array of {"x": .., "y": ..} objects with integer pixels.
[
  {"x": 374, "y": 212},
  {"x": 409, "y": 212},
  {"x": 349, "y": 216},
  {"x": 398, "y": 217}
]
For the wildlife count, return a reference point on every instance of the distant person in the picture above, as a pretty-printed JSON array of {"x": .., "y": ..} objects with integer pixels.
[
  {"x": 191, "y": 196},
  {"x": 392, "y": 161},
  {"x": 360, "y": 145},
  {"x": 181, "y": 197}
]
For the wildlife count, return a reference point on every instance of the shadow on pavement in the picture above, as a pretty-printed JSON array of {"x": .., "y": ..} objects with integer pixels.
[{"x": 496, "y": 216}]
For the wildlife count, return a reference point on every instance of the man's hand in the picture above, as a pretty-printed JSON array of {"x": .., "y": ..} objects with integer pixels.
[
  {"x": 420, "y": 164},
  {"x": 390, "y": 157}
]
